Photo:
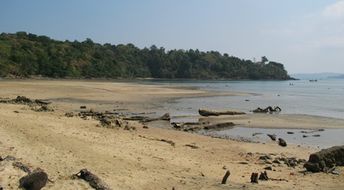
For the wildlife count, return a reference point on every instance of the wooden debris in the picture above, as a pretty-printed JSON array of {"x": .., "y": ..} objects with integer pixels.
[
  {"x": 192, "y": 146},
  {"x": 22, "y": 167},
  {"x": 254, "y": 178},
  {"x": 225, "y": 177},
  {"x": 94, "y": 181},
  {"x": 207, "y": 113}
]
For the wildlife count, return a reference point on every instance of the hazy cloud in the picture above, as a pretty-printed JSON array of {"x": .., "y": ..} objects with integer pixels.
[{"x": 335, "y": 10}]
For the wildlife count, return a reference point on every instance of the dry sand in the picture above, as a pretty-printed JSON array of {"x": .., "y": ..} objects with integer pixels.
[{"x": 133, "y": 159}]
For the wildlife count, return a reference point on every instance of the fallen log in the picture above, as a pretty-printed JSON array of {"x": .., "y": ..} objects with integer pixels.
[
  {"x": 219, "y": 126},
  {"x": 207, "y": 113},
  {"x": 94, "y": 181}
]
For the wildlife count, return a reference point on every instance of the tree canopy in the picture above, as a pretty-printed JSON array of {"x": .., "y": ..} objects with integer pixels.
[{"x": 23, "y": 54}]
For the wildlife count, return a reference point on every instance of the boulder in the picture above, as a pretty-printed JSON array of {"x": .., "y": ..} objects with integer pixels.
[
  {"x": 282, "y": 142},
  {"x": 34, "y": 181},
  {"x": 207, "y": 113},
  {"x": 327, "y": 158}
]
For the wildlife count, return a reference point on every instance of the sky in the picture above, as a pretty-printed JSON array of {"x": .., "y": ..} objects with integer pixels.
[{"x": 307, "y": 36}]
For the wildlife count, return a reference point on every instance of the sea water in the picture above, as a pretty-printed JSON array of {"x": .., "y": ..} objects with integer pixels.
[{"x": 321, "y": 98}]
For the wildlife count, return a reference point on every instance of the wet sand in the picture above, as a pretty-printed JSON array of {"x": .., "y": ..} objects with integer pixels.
[{"x": 135, "y": 159}]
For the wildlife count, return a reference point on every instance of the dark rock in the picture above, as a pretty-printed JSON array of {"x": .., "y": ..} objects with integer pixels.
[
  {"x": 276, "y": 161},
  {"x": 326, "y": 158},
  {"x": 317, "y": 135},
  {"x": 272, "y": 137},
  {"x": 290, "y": 133},
  {"x": 254, "y": 178},
  {"x": 69, "y": 114},
  {"x": 265, "y": 157},
  {"x": 282, "y": 142},
  {"x": 268, "y": 168},
  {"x": 82, "y": 107},
  {"x": 304, "y": 136},
  {"x": 34, "y": 181},
  {"x": 263, "y": 176}
]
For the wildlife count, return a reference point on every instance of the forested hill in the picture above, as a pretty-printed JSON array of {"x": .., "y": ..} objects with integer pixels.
[{"x": 24, "y": 55}]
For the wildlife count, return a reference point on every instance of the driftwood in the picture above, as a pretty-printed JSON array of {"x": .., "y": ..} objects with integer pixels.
[
  {"x": 94, "y": 181},
  {"x": 22, "y": 167},
  {"x": 268, "y": 109},
  {"x": 157, "y": 139},
  {"x": 165, "y": 117},
  {"x": 225, "y": 177},
  {"x": 207, "y": 113},
  {"x": 197, "y": 126},
  {"x": 254, "y": 178}
]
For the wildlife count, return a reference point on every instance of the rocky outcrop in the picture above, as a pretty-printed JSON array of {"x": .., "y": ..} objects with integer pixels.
[{"x": 325, "y": 159}]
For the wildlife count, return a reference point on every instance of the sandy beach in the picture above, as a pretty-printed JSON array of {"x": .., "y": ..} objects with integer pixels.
[{"x": 139, "y": 159}]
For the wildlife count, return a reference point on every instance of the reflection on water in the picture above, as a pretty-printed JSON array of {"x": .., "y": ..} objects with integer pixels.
[{"x": 327, "y": 138}]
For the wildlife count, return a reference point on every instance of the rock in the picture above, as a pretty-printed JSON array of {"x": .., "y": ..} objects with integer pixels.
[
  {"x": 304, "y": 136},
  {"x": 272, "y": 137},
  {"x": 69, "y": 114},
  {"x": 282, "y": 142},
  {"x": 290, "y": 133},
  {"x": 265, "y": 157},
  {"x": 83, "y": 107},
  {"x": 263, "y": 176},
  {"x": 317, "y": 135},
  {"x": 254, "y": 178},
  {"x": 225, "y": 177},
  {"x": 276, "y": 161},
  {"x": 326, "y": 158},
  {"x": 34, "y": 181},
  {"x": 268, "y": 168},
  {"x": 22, "y": 100}
]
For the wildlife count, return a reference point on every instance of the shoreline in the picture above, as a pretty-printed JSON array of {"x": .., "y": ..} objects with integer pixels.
[{"x": 143, "y": 158}]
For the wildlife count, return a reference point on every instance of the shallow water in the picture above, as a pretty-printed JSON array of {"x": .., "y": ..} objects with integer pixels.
[
  {"x": 322, "y": 98},
  {"x": 328, "y": 137}
]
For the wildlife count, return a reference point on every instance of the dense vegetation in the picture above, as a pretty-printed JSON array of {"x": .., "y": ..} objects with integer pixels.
[{"x": 24, "y": 55}]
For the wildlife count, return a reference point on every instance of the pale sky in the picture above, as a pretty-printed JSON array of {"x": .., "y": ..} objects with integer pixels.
[{"x": 305, "y": 35}]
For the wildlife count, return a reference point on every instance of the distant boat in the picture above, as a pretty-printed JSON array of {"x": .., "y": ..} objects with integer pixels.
[{"x": 313, "y": 80}]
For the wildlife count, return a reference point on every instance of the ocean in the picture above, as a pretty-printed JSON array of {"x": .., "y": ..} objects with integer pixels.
[{"x": 321, "y": 98}]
